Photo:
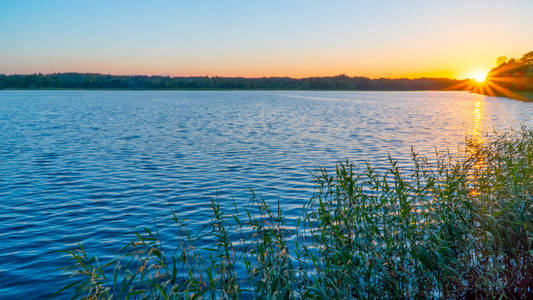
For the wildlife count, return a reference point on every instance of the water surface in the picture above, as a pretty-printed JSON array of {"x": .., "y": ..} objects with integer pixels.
[{"x": 93, "y": 166}]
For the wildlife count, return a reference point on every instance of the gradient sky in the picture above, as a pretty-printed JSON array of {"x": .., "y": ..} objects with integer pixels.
[{"x": 263, "y": 38}]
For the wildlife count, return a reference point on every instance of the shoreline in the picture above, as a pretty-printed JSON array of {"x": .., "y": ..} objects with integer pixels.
[{"x": 521, "y": 96}]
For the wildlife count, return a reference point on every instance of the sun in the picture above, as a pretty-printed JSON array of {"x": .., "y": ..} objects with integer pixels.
[{"x": 480, "y": 76}]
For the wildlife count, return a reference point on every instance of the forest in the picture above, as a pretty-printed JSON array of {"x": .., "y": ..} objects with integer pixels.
[{"x": 135, "y": 82}]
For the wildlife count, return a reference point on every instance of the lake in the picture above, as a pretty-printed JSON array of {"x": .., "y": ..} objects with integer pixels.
[{"x": 94, "y": 166}]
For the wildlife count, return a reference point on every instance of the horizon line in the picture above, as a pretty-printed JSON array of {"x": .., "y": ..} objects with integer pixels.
[{"x": 220, "y": 76}]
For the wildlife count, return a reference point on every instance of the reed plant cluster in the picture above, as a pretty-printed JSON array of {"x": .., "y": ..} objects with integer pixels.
[{"x": 453, "y": 226}]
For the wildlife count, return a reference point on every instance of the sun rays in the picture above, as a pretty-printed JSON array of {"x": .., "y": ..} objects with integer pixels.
[{"x": 491, "y": 85}]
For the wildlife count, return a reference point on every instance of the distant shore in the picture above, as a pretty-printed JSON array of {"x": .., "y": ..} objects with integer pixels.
[
  {"x": 95, "y": 81},
  {"x": 143, "y": 82}
]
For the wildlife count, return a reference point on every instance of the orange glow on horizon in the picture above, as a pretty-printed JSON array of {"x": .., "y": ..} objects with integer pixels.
[
  {"x": 257, "y": 73},
  {"x": 250, "y": 66}
]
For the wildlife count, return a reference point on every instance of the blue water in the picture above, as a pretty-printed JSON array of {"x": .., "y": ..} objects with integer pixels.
[{"x": 94, "y": 166}]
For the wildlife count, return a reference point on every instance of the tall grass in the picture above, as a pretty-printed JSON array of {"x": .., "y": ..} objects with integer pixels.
[{"x": 456, "y": 226}]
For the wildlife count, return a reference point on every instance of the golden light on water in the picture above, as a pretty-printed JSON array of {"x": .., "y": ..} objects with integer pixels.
[
  {"x": 476, "y": 140},
  {"x": 477, "y": 118}
]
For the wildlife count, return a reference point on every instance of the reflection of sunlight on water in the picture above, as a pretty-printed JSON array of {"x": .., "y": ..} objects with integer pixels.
[
  {"x": 477, "y": 118},
  {"x": 476, "y": 139}
]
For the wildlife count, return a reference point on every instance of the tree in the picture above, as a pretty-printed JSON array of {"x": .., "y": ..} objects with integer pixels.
[
  {"x": 501, "y": 60},
  {"x": 527, "y": 59}
]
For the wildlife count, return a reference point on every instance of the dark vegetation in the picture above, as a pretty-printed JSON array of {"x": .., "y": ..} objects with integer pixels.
[
  {"x": 515, "y": 75},
  {"x": 454, "y": 226},
  {"x": 101, "y": 81}
]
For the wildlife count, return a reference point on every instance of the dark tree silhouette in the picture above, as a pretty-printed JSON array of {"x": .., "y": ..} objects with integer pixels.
[
  {"x": 527, "y": 59},
  {"x": 102, "y": 81}
]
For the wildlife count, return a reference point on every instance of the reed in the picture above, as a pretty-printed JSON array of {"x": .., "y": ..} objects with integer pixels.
[{"x": 453, "y": 226}]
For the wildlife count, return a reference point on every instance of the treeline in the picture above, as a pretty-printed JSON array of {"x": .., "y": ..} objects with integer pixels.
[
  {"x": 514, "y": 74},
  {"x": 102, "y": 81}
]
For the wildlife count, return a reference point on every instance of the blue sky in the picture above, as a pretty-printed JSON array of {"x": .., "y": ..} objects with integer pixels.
[{"x": 262, "y": 38}]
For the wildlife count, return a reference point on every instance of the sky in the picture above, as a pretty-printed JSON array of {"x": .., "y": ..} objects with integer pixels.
[{"x": 455, "y": 39}]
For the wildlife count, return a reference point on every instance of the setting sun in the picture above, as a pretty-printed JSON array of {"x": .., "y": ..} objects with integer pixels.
[{"x": 480, "y": 76}]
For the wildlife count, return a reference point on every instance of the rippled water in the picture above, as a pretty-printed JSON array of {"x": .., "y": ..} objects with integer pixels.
[{"x": 92, "y": 166}]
